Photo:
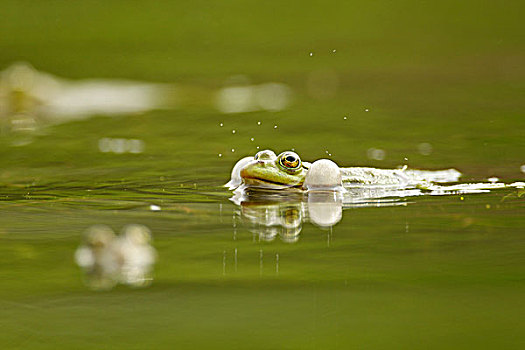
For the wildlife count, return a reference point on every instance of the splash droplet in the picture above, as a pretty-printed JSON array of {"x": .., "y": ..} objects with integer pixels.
[
  {"x": 252, "y": 139},
  {"x": 366, "y": 110},
  {"x": 233, "y": 131},
  {"x": 311, "y": 54},
  {"x": 221, "y": 124},
  {"x": 275, "y": 126},
  {"x": 258, "y": 123},
  {"x": 233, "y": 149},
  {"x": 220, "y": 154}
]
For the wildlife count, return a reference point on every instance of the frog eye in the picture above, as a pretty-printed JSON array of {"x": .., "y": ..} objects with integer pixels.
[{"x": 290, "y": 162}]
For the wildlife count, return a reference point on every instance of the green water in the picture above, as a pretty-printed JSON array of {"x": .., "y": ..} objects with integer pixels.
[{"x": 440, "y": 272}]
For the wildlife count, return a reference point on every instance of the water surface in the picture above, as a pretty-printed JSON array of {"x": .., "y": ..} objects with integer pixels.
[{"x": 384, "y": 85}]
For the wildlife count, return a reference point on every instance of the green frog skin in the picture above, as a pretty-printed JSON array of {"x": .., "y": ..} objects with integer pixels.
[{"x": 286, "y": 171}]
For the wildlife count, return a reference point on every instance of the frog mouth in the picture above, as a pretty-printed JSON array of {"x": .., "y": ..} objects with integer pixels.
[{"x": 251, "y": 181}]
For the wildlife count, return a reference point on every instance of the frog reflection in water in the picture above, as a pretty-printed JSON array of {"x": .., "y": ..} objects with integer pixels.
[
  {"x": 270, "y": 216},
  {"x": 271, "y": 219}
]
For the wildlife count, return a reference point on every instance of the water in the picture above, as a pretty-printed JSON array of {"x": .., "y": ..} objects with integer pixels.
[
  {"x": 416, "y": 85},
  {"x": 433, "y": 270}
]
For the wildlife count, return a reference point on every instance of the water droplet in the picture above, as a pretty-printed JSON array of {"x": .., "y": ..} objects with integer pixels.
[
  {"x": 275, "y": 126},
  {"x": 311, "y": 54},
  {"x": 406, "y": 159},
  {"x": 221, "y": 124},
  {"x": 233, "y": 131},
  {"x": 220, "y": 154},
  {"x": 293, "y": 149},
  {"x": 233, "y": 149},
  {"x": 522, "y": 168},
  {"x": 154, "y": 207},
  {"x": 257, "y": 147},
  {"x": 252, "y": 139},
  {"x": 330, "y": 154},
  {"x": 334, "y": 50},
  {"x": 345, "y": 117},
  {"x": 366, "y": 110},
  {"x": 258, "y": 123},
  {"x": 493, "y": 179}
]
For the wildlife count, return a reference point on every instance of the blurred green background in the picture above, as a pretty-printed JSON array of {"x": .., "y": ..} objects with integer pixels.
[
  {"x": 442, "y": 272},
  {"x": 450, "y": 74}
]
